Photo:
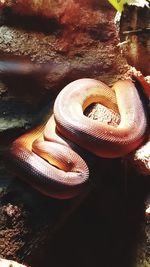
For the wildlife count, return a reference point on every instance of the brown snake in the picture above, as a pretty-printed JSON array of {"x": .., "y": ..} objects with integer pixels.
[{"x": 43, "y": 157}]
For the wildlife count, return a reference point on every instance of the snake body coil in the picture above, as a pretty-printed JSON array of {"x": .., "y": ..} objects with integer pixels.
[
  {"x": 102, "y": 140},
  {"x": 44, "y": 158}
]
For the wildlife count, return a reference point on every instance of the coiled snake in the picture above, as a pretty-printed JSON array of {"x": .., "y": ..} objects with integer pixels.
[{"x": 44, "y": 158}]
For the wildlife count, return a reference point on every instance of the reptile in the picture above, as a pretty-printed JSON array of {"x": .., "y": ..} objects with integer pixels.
[{"x": 44, "y": 157}]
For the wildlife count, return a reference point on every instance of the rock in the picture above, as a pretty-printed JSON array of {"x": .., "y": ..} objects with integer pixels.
[
  {"x": 52, "y": 8},
  {"x": 135, "y": 37},
  {"x": 29, "y": 219},
  {"x": 140, "y": 159},
  {"x": 71, "y": 46},
  {"x": 80, "y": 46},
  {"x": 103, "y": 114},
  {"x": 23, "y": 97}
]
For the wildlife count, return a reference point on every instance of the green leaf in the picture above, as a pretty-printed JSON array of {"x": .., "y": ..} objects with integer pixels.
[{"x": 118, "y": 4}]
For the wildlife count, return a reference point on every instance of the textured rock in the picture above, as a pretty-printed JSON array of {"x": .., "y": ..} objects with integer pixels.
[
  {"x": 141, "y": 159},
  {"x": 79, "y": 40},
  {"x": 51, "y": 8},
  {"x": 135, "y": 37},
  {"x": 73, "y": 43},
  {"x": 28, "y": 219},
  {"x": 102, "y": 114}
]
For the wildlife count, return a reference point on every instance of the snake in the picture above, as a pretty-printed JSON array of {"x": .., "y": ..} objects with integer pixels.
[{"x": 45, "y": 156}]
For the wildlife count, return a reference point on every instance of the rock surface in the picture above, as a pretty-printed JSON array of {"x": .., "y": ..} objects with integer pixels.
[
  {"x": 135, "y": 37},
  {"x": 52, "y": 8},
  {"x": 77, "y": 44},
  {"x": 141, "y": 159}
]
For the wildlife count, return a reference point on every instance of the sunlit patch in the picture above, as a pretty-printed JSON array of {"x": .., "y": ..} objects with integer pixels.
[{"x": 147, "y": 211}]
